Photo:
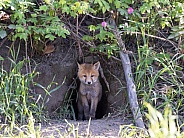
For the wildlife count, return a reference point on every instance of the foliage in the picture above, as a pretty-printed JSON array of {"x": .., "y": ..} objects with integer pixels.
[
  {"x": 162, "y": 125},
  {"x": 16, "y": 100},
  {"x": 161, "y": 79},
  {"x": 31, "y": 23},
  {"x": 28, "y": 130},
  {"x": 108, "y": 42},
  {"x": 178, "y": 15},
  {"x": 158, "y": 71},
  {"x": 129, "y": 131},
  {"x": 66, "y": 110},
  {"x": 44, "y": 21}
]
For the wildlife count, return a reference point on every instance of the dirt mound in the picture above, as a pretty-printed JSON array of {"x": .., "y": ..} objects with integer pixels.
[
  {"x": 61, "y": 67},
  {"x": 107, "y": 127},
  {"x": 58, "y": 67}
]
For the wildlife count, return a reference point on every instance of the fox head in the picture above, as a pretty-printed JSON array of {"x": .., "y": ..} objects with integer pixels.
[{"x": 88, "y": 73}]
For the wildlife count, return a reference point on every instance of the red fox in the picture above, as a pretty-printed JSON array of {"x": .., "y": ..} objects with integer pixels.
[{"x": 90, "y": 90}]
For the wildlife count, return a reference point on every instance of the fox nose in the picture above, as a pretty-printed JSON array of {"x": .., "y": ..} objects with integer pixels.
[{"x": 89, "y": 82}]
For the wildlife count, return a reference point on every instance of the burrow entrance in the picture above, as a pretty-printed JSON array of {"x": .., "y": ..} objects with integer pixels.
[{"x": 102, "y": 108}]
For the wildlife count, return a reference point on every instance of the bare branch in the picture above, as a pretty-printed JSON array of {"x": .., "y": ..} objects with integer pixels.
[{"x": 131, "y": 89}]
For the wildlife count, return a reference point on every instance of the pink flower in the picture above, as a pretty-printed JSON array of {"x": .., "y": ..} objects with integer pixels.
[
  {"x": 130, "y": 10},
  {"x": 104, "y": 24}
]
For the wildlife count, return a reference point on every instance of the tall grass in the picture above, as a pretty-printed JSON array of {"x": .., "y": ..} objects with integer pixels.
[
  {"x": 29, "y": 130},
  {"x": 158, "y": 78},
  {"x": 20, "y": 106},
  {"x": 66, "y": 111},
  {"x": 16, "y": 100}
]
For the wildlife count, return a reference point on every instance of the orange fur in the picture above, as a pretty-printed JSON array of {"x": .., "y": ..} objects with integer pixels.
[{"x": 90, "y": 91}]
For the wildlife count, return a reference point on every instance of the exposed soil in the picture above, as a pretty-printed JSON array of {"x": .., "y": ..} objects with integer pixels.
[
  {"x": 106, "y": 127},
  {"x": 61, "y": 65}
]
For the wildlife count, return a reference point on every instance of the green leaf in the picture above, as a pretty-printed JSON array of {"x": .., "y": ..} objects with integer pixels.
[
  {"x": 20, "y": 28},
  {"x": 173, "y": 35},
  {"x": 162, "y": 24},
  {"x": 99, "y": 2},
  {"x": 19, "y": 65},
  {"x": 122, "y": 11},
  {"x": 50, "y": 36},
  {"x": 63, "y": 34},
  {"x": 103, "y": 9},
  {"x": 3, "y": 34},
  {"x": 11, "y": 26},
  {"x": 43, "y": 8},
  {"x": 22, "y": 35},
  {"x": 181, "y": 32},
  {"x": 87, "y": 38},
  {"x": 106, "y": 6},
  {"x": 77, "y": 4},
  {"x": 34, "y": 15},
  {"x": 1, "y": 58},
  {"x": 182, "y": 20},
  {"x": 47, "y": 1},
  {"x": 125, "y": 5},
  {"x": 117, "y": 4},
  {"x": 55, "y": 89},
  {"x": 163, "y": 56},
  {"x": 42, "y": 87},
  {"x": 101, "y": 48},
  {"x": 32, "y": 20},
  {"x": 92, "y": 28},
  {"x": 62, "y": 2},
  {"x": 66, "y": 32},
  {"x": 127, "y": 1}
]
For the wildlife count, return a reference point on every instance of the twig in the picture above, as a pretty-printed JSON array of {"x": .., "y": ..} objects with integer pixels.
[
  {"x": 3, "y": 41},
  {"x": 163, "y": 39},
  {"x": 179, "y": 40},
  {"x": 97, "y": 17},
  {"x": 116, "y": 58},
  {"x": 131, "y": 89},
  {"x": 82, "y": 20},
  {"x": 67, "y": 53},
  {"x": 157, "y": 37},
  {"x": 77, "y": 36},
  {"x": 27, "y": 70},
  {"x": 122, "y": 83},
  {"x": 104, "y": 78},
  {"x": 77, "y": 28}
]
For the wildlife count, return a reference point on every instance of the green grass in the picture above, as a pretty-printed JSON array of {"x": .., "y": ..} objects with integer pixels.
[
  {"x": 158, "y": 79},
  {"x": 159, "y": 126},
  {"x": 19, "y": 104}
]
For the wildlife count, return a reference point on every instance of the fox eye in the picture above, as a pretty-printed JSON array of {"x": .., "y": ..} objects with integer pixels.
[
  {"x": 84, "y": 76},
  {"x": 92, "y": 75}
]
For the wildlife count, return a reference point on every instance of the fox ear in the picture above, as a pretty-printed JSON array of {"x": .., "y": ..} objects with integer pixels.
[
  {"x": 97, "y": 65},
  {"x": 79, "y": 66}
]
